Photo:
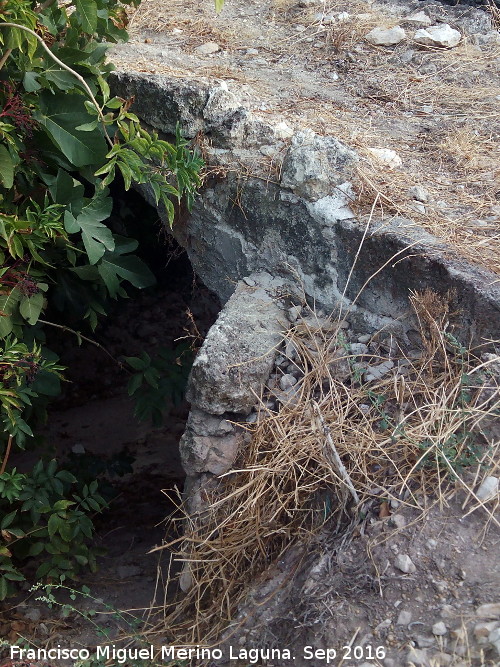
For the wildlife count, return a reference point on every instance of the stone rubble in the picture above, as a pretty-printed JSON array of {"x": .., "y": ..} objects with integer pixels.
[{"x": 438, "y": 35}]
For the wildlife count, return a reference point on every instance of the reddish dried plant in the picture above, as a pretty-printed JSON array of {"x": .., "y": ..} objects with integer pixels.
[{"x": 15, "y": 109}]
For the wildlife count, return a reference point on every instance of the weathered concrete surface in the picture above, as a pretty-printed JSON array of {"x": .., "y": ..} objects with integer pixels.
[
  {"x": 233, "y": 364},
  {"x": 209, "y": 444},
  {"x": 314, "y": 166},
  {"x": 239, "y": 350},
  {"x": 242, "y": 225}
]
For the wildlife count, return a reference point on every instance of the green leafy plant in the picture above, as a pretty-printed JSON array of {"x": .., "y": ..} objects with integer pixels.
[
  {"x": 63, "y": 140},
  {"x": 46, "y": 513},
  {"x": 160, "y": 381}
]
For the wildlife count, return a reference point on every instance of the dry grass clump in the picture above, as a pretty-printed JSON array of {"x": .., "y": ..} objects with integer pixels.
[
  {"x": 453, "y": 221},
  {"x": 468, "y": 149},
  {"x": 339, "y": 441}
]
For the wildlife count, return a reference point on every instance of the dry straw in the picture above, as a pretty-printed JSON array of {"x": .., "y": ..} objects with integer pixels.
[{"x": 414, "y": 435}]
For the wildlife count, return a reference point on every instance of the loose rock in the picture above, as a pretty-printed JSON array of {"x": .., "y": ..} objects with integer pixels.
[
  {"x": 438, "y": 35},
  {"x": 293, "y": 313},
  {"x": 315, "y": 165},
  {"x": 386, "y": 36},
  {"x": 442, "y": 659},
  {"x": 282, "y": 130},
  {"x": 494, "y": 639},
  {"x": 491, "y": 610},
  {"x": 377, "y": 372},
  {"x": 417, "y": 657},
  {"x": 488, "y": 489},
  {"x": 420, "y": 18},
  {"x": 387, "y": 157},
  {"x": 207, "y": 48},
  {"x": 404, "y": 618},
  {"x": 482, "y": 631},
  {"x": 419, "y": 193},
  {"x": 339, "y": 367},
  {"x": 358, "y": 349},
  {"x": 404, "y": 563},
  {"x": 417, "y": 206},
  {"x": 398, "y": 521},
  {"x": 423, "y": 641},
  {"x": 439, "y": 629},
  {"x": 287, "y": 381}
]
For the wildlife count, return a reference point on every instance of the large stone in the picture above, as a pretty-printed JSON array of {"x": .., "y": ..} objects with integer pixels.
[
  {"x": 386, "y": 36},
  {"x": 438, "y": 35},
  {"x": 238, "y": 353},
  {"x": 315, "y": 165},
  {"x": 201, "y": 453}
]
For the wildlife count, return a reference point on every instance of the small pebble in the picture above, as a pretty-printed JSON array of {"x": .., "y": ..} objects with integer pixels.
[
  {"x": 404, "y": 618},
  {"x": 208, "y": 48},
  {"x": 404, "y": 563},
  {"x": 398, "y": 521},
  {"x": 439, "y": 629},
  {"x": 287, "y": 381}
]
